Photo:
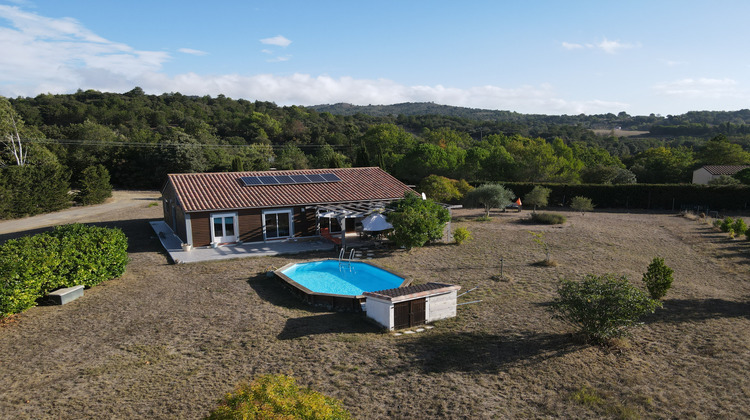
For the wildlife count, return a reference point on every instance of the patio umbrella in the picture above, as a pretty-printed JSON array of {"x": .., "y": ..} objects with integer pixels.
[{"x": 375, "y": 223}]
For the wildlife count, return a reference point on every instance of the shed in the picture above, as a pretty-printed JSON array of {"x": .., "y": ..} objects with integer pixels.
[{"x": 405, "y": 307}]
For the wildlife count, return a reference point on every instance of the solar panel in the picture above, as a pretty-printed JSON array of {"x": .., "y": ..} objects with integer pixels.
[
  {"x": 268, "y": 180},
  {"x": 300, "y": 179},
  {"x": 285, "y": 179},
  {"x": 330, "y": 177},
  {"x": 250, "y": 180},
  {"x": 315, "y": 178},
  {"x": 289, "y": 179}
]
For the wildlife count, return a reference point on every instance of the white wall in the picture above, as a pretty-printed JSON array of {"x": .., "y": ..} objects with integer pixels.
[
  {"x": 381, "y": 311},
  {"x": 701, "y": 176},
  {"x": 441, "y": 306}
]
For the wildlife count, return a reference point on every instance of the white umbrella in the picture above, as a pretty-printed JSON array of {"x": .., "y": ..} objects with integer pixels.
[{"x": 375, "y": 223}]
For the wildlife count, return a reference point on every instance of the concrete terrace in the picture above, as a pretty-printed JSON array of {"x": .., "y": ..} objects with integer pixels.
[{"x": 173, "y": 245}]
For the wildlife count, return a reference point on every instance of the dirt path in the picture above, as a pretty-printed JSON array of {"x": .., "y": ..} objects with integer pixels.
[{"x": 120, "y": 200}]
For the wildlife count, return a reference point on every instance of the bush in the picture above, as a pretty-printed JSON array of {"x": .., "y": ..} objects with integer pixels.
[
  {"x": 90, "y": 254},
  {"x": 35, "y": 189},
  {"x": 548, "y": 218},
  {"x": 461, "y": 235},
  {"x": 28, "y": 270},
  {"x": 739, "y": 226},
  {"x": 658, "y": 278},
  {"x": 582, "y": 204},
  {"x": 603, "y": 307},
  {"x": 95, "y": 187},
  {"x": 717, "y": 224},
  {"x": 726, "y": 224},
  {"x": 277, "y": 397},
  {"x": 416, "y": 221},
  {"x": 32, "y": 266}
]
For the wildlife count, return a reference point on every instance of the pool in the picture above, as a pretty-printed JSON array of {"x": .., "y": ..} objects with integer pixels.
[{"x": 337, "y": 285}]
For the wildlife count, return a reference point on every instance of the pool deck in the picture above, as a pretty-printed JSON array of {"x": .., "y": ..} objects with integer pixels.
[{"x": 173, "y": 245}]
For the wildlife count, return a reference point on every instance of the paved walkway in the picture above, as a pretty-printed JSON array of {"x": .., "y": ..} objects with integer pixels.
[{"x": 173, "y": 245}]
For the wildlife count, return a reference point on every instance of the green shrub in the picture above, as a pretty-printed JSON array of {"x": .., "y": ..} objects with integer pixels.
[
  {"x": 739, "y": 226},
  {"x": 461, "y": 235},
  {"x": 603, "y": 307},
  {"x": 539, "y": 196},
  {"x": 717, "y": 223},
  {"x": 90, "y": 254},
  {"x": 95, "y": 186},
  {"x": 582, "y": 204},
  {"x": 28, "y": 270},
  {"x": 32, "y": 266},
  {"x": 658, "y": 278},
  {"x": 548, "y": 218},
  {"x": 416, "y": 221},
  {"x": 277, "y": 397},
  {"x": 726, "y": 224}
]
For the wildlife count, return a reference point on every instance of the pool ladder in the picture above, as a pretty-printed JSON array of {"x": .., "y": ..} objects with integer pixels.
[{"x": 348, "y": 261}]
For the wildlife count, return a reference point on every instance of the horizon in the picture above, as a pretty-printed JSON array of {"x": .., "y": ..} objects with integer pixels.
[{"x": 543, "y": 57}]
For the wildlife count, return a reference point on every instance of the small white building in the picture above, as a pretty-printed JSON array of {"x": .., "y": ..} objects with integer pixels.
[
  {"x": 708, "y": 172},
  {"x": 409, "y": 306}
]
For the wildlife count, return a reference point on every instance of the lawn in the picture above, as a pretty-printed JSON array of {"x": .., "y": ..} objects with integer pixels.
[{"x": 167, "y": 341}]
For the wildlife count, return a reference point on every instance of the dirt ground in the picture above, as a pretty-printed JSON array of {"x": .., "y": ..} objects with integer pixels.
[{"x": 167, "y": 341}]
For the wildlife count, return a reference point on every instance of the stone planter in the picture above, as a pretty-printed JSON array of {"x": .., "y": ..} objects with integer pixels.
[{"x": 187, "y": 247}]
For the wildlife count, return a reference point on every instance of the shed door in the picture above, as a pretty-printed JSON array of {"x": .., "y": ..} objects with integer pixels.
[{"x": 409, "y": 314}]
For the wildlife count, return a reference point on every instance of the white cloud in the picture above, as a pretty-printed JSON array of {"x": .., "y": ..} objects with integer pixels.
[
  {"x": 53, "y": 55},
  {"x": 701, "y": 88},
  {"x": 571, "y": 46},
  {"x": 192, "y": 51},
  {"x": 277, "y": 40},
  {"x": 609, "y": 47},
  {"x": 48, "y": 54}
]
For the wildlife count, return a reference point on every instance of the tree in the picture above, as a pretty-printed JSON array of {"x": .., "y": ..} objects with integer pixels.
[
  {"x": 440, "y": 189},
  {"x": 661, "y": 165},
  {"x": 95, "y": 186},
  {"x": 719, "y": 151},
  {"x": 10, "y": 124},
  {"x": 537, "y": 197},
  {"x": 743, "y": 176},
  {"x": 291, "y": 157},
  {"x": 658, "y": 278},
  {"x": 489, "y": 196},
  {"x": 582, "y": 204},
  {"x": 416, "y": 221},
  {"x": 603, "y": 307}
]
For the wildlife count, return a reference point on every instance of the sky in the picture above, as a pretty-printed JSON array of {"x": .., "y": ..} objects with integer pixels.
[{"x": 533, "y": 57}]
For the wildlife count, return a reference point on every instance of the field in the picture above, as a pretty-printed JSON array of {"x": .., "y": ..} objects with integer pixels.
[
  {"x": 168, "y": 341},
  {"x": 619, "y": 133}
]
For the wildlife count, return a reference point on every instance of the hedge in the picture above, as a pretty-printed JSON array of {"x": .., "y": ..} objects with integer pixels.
[
  {"x": 645, "y": 196},
  {"x": 32, "y": 266}
]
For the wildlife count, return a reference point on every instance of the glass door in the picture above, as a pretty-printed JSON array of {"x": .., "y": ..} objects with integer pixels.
[
  {"x": 224, "y": 228},
  {"x": 277, "y": 224}
]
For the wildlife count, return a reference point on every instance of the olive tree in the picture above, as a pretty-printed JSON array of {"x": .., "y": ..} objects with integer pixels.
[
  {"x": 489, "y": 196},
  {"x": 539, "y": 196}
]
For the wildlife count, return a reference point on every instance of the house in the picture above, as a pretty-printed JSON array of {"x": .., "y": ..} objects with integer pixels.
[
  {"x": 709, "y": 172},
  {"x": 211, "y": 209}
]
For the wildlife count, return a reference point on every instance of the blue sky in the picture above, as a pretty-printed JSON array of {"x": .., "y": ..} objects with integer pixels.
[{"x": 546, "y": 57}]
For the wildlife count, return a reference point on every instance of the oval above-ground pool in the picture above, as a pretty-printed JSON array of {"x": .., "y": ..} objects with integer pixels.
[{"x": 337, "y": 285}]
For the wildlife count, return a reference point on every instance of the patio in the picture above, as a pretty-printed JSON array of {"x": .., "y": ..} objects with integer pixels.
[{"x": 173, "y": 245}]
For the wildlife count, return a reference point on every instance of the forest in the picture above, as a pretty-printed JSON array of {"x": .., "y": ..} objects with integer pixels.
[{"x": 139, "y": 138}]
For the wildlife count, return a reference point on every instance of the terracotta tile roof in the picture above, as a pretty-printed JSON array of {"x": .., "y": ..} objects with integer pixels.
[
  {"x": 224, "y": 190},
  {"x": 724, "y": 169},
  {"x": 413, "y": 292}
]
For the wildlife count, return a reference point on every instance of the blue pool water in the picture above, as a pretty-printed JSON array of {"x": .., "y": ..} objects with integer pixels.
[{"x": 342, "y": 279}]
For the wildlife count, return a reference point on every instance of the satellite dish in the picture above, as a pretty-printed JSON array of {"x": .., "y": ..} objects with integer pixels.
[{"x": 424, "y": 196}]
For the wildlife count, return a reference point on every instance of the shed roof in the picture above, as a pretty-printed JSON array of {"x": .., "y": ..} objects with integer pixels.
[
  {"x": 724, "y": 169},
  {"x": 413, "y": 292},
  {"x": 225, "y": 190}
]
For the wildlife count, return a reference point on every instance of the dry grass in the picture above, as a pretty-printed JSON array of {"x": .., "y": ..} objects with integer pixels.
[{"x": 167, "y": 341}]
